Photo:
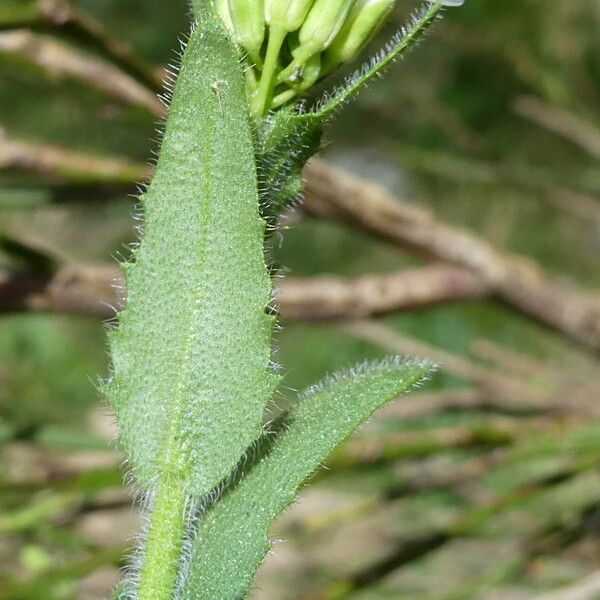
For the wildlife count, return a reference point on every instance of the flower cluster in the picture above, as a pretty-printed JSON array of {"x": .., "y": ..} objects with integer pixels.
[{"x": 294, "y": 43}]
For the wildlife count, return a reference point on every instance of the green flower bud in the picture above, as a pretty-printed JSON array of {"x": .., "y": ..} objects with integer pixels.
[
  {"x": 306, "y": 78},
  {"x": 249, "y": 25},
  {"x": 222, "y": 7},
  {"x": 288, "y": 14},
  {"x": 310, "y": 74},
  {"x": 323, "y": 23},
  {"x": 364, "y": 19},
  {"x": 307, "y": 39}
]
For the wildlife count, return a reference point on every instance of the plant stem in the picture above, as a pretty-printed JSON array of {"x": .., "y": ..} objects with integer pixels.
[
  {"x": 262, "y": 100},
  {"x": 163, "y": 545}
]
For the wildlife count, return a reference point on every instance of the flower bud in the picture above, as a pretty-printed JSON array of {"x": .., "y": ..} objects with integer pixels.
[
  {"x": 324, "y": 21},
  {"x": 249, "y": 25},
  {"x": 222, "y": 7},
  {"x": 311, "y": 71},
  {"x": 288, "y": 14},
  {"x": 363, "y": 20},
  {"x": 309, "y": 38}
]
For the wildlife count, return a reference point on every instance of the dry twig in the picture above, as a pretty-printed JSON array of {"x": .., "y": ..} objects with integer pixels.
[
  {"x": 496, "y": 384},
  {"x": 73, "y": 290},
  {"x": 561, "y": 122},
  {"x": 61, "y": 60},
  {"x": 332, "y": 193},
  {"x": 65, "y": 166},
  {"x": 410, "y": 477},
  {"x": 514, "y": 279},
  {"x": 576, "y": 204},
  {"x": 61, "y": 14},
  {"x": 474, "y": 398},
  {"x": 494, "y": 432},
  {"x": 329, "y": 297},
  {"x": 99, "y": 291}
]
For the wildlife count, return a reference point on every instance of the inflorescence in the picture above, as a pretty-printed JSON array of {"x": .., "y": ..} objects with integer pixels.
[{"x": 292, "y": 44}]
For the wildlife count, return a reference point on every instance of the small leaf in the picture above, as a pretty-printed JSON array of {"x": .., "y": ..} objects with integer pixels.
[
  {"x": 231, "y": 540},
  {"x": 286, "y": 145}
]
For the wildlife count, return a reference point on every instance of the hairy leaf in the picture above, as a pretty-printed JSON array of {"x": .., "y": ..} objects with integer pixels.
[
  {"x": 192, "y": 350},
  {"x": 231, "y": 540},
  {"x": 285, "y": 147}
]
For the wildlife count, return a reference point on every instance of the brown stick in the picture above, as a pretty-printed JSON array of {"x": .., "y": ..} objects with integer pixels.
[
  {"x": 561, "y": 122},
  {"x": 99, "y": 291},
  {"x": 74, "y": 290},
  {"x": 332, "y": 193},
  {"x": 514, "y": 279},
  {"x": 426, "y": 403},
  {"x": 509, "y": 361},
  {"x": 61, "y": 14},
  {"x": 66, "y": 166},
  {"x": 413, "y": 477},
  {"x": 61, "y": 60},
  {"x": 514, "y": 392},
  {"x": 494, "y": 432},
  {"x": 328, "y": 297},
  {"x": 581, "y": 206}
]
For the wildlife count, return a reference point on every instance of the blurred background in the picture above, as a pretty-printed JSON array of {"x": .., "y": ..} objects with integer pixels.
[{"x": 454, "y": 214}]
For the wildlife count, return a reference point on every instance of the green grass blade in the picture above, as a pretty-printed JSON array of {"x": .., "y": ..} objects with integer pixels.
[{"x": 231, "y": 540}]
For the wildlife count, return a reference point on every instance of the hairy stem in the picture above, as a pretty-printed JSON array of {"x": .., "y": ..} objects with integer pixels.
[
  {"x": 196, "y": 315},
  {"x": 164, "y": 542}
]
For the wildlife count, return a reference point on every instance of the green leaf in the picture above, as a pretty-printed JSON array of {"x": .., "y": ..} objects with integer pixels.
[
  {"x": 191, "y": 354},
  {"x": 231, "y": 540},
  {"x": 285, "y": 146}
]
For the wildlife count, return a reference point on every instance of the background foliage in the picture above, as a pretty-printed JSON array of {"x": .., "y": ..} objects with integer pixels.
[{"x": 446, "y": 130}]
